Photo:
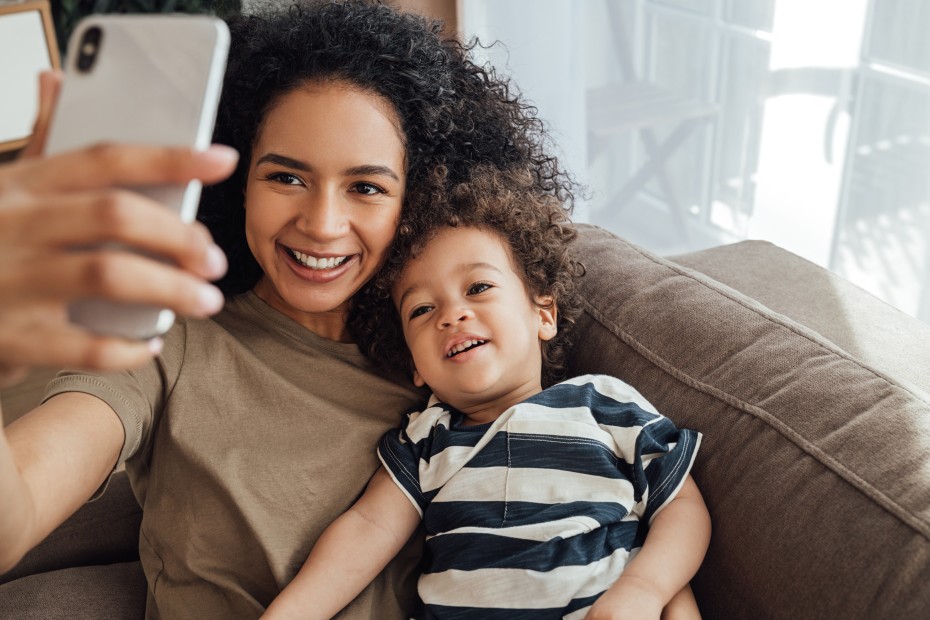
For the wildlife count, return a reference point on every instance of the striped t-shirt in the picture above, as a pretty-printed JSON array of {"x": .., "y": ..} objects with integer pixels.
[{"x": 536, "y": 514}]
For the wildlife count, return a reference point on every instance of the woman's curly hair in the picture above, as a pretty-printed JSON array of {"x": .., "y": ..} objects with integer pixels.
[
  {"x": 535, "y": 228},
  {"x": 453, "y": 113}
]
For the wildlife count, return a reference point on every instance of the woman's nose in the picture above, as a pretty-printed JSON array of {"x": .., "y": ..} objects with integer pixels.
[{"x": 323, "y": 217}]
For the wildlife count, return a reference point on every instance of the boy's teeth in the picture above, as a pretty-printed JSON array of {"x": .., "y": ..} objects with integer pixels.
[
  {"x": 318, "y": 263},
  {"x": 464, "y": 345}
]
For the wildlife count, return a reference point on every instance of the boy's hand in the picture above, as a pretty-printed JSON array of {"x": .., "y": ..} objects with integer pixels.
[{"x": 629, "y": 598}]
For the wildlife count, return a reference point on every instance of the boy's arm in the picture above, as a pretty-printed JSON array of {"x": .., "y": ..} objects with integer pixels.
[
  {"x": 670, "y": 556},
  {"x": 350, "y": 553}
]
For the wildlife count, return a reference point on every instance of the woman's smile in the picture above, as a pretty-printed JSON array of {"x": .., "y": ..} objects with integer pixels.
[{"x": 318, "y": 268}]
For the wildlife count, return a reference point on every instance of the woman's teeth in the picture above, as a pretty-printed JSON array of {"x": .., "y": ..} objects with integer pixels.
[
  {"x": 462, "y": 346},
  {"x": 318, "y": 263}
]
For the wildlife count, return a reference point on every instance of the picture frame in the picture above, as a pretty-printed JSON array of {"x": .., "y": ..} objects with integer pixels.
[{"x": 27, "y": 47}]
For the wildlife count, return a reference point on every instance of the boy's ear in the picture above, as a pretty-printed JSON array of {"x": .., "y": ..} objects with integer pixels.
[
  {"x": 417, "y": 379},
  {"x": 548, "y": 316}
]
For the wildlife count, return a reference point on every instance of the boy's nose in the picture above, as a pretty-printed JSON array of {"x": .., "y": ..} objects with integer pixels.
[{"x": 454, "y": 316}]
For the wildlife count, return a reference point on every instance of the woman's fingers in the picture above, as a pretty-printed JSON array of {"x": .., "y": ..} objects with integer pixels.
[
  {"x": 68, "y": 232},
  {"x": 45, "y": 338},
  {"x": 49, "y": 87},
  {"x": 119, "y": 165},
  {"x": 68, "y": 221},
  {"x": 110, "y": 274}
]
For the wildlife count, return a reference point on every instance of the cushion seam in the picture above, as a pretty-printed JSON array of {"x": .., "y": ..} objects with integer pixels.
[
  {"x": 790, "y": 325},
  {"x": 796, "y": 438}
]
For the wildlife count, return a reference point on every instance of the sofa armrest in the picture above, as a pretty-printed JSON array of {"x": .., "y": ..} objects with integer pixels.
[{"x": 815, "y": 465}]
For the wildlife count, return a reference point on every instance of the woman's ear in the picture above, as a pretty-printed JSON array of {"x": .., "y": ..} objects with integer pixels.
[{"x": 548, "y": 316}]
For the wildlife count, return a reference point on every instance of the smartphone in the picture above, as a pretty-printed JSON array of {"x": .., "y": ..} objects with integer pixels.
[{"x": 140, "y": 79}]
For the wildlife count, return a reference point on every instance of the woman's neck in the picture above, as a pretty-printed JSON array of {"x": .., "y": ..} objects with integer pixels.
[{"x": 330, "y": 325}]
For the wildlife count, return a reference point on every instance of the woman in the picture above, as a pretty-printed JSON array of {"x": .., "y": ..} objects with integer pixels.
[{"x": 255, "y": 429}]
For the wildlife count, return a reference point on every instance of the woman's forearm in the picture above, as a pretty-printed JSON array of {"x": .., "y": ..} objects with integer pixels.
[
  {"x": 16, "y": 510},
  {"x": 51, "y": 461}
]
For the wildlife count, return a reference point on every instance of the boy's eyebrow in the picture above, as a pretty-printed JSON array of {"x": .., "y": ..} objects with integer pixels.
[
  {"x": 466, "y": 267},
  {"x": 355, "y": 171}
]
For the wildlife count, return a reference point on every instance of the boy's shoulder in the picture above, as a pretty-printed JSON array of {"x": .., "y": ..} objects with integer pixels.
[{"x": 602, "y": 386}]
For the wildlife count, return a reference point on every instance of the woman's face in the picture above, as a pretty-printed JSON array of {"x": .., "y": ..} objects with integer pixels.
[{"x": 323, "y": 200}]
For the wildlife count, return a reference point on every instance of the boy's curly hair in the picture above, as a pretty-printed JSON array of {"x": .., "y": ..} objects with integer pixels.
[
  {"x": 536, "y": 229},
  {"x": 453, "y": 113}
]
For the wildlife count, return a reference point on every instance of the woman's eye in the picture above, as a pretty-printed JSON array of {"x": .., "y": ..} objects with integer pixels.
[
  {"x": 478, "y": 287},
  {"x": 367, "y": 189},
  {"x": 418, "y": 311},
  {"x": 285, "y": 178}
]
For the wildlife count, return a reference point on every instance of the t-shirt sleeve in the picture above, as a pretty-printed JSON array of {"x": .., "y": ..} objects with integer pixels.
[
  {"x": 662, "y": 461},
  {"x": 136, "y": 396},
  {"x": 400, "y": 454},
  {"x": 655, "y": 455}
]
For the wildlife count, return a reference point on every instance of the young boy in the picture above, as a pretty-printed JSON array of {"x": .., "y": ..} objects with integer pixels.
[{"x": 574, "y": 501}]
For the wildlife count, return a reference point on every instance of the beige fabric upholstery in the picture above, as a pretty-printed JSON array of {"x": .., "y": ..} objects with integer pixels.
[
  {"x": 864, "y": 326},
  {"x": 815, "y": 467}
]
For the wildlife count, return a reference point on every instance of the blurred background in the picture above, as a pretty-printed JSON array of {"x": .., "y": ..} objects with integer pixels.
[{"x": 701, "y": 122}]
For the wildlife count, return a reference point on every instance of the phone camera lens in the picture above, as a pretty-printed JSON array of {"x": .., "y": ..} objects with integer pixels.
[{"x": 87, "y": 50}]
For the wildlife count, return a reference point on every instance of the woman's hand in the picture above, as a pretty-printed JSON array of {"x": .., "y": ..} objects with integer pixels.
[{"x": 50, "y": 206}]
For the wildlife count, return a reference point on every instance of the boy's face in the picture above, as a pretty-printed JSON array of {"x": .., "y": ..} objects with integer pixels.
[{"x": 472, "y": 329}]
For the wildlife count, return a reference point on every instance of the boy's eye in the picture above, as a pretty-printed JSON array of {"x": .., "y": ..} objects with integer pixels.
[
  {"x": 367, "y": 189},
  {"x": 418, "y": 311},
  {"x": 478, "y": 287}
]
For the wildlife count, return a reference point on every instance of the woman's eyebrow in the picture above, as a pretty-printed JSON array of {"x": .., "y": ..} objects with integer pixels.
[
  {"x": 283, "y": 160},
  {"x": 371, "y": 169}
]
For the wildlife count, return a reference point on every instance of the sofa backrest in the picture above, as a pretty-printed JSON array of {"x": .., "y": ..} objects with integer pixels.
[{"x": 815, "y": 467}]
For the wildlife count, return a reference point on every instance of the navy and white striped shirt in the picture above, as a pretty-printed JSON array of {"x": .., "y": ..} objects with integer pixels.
[{"x": 536, "y": 514}]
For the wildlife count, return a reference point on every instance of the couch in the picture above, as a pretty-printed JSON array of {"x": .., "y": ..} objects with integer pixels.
[{"x": 812, "y": 396}]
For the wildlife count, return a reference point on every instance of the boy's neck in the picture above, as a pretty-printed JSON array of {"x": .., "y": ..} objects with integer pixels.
[{"x": 484, "y": 413}]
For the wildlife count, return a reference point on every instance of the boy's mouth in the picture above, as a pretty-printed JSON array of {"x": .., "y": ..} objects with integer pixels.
[
  {"x": 312, "y": 262},
  {"x": 464, "y": 346}
]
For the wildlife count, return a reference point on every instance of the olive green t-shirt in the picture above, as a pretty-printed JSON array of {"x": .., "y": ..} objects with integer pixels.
[{"x": 244, "y": 440}]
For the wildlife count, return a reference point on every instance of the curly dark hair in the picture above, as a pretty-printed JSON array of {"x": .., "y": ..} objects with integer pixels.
[
  {"x": 536, "y": 229},
  {"x": 454, "y": 114}
]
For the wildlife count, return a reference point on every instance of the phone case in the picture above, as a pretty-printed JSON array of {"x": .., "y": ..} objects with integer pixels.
[{"x": 155, "y": 79}]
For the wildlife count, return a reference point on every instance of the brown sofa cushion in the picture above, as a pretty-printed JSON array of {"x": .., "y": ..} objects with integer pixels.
[
  {"x": 815, "y": 468},
  {"x": 860, "y": 324},
  {"x": 104, "y": 531},
  {"x": 111, "y": 591}
]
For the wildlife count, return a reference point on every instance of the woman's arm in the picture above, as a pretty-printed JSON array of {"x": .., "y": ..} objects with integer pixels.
[
  {"x": 670, "y": 556},
  {"x": 350, "y": 553},
  {"x": 51, "y": 461}
]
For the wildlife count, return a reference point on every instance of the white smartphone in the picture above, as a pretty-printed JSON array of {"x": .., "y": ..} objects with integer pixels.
[{"x": 140, "y": 79}]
